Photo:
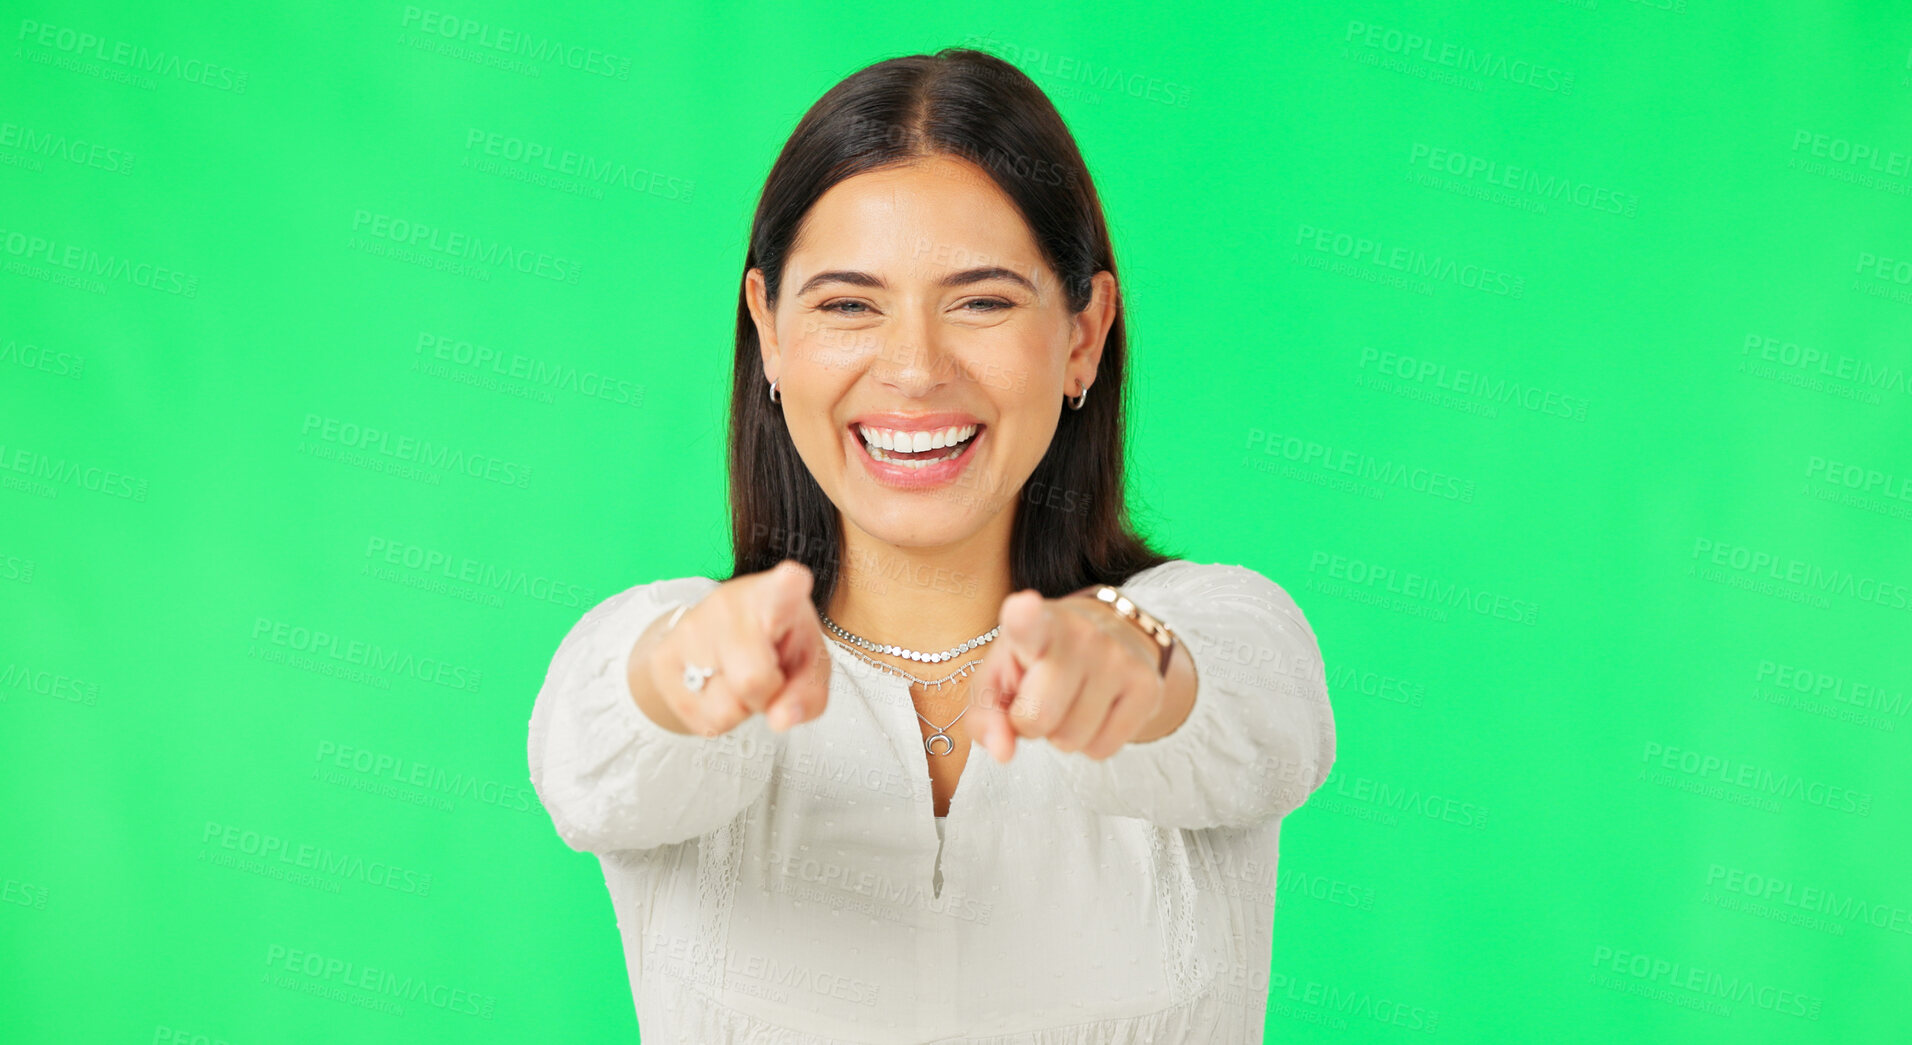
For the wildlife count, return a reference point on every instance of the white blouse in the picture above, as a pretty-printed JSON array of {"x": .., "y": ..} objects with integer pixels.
[{"x": 788, "y": 888}]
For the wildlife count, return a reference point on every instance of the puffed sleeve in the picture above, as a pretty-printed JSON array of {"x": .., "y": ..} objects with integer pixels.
[
  {"x": 612, "y": 778},
  {"x": 1260, "y": 736}
]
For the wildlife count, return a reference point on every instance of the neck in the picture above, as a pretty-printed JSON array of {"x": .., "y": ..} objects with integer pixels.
[{"x": 927, "y": 599}]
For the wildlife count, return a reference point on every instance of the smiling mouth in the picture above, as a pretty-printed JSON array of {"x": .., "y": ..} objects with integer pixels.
[{"x": 914, "y": 459}]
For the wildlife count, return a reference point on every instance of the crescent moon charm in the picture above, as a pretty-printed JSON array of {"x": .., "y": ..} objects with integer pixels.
[{"x": 929, "y": 745}]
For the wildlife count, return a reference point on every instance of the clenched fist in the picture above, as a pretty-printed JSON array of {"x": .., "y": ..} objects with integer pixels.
[
  {"x": 1071, "y": 671},
  {"x": 764, "y": 638}
]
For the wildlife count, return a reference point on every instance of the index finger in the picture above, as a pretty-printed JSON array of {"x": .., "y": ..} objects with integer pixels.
[
  {"x": 782, "y": 601},
  {"x": 995, "y": 689}
]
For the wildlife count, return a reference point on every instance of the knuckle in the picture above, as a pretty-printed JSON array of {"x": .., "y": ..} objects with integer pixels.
[
  {"x": 687, "y": 712},
  {"x": 755, "y": 680},
  {"x": 727, "y": 717}
]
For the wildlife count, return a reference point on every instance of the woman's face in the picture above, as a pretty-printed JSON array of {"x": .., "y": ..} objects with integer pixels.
[{"x": 915, "y": 300}]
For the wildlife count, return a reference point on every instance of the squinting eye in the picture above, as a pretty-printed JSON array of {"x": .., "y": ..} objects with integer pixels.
[
  {"x": 1000, "y": 304},
  {"x": 832, "y": 307}
]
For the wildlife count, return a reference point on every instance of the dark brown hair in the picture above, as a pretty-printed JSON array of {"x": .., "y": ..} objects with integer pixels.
[{"x": 974, "y": 106}]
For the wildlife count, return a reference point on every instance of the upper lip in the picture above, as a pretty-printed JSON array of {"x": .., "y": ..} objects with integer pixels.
[{"x": 935, "y": 422}]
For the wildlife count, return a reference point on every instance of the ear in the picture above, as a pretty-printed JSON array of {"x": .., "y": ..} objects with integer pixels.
[
  {"x": 766, "y": 322},
  {"x": 1089, "y": 333}
]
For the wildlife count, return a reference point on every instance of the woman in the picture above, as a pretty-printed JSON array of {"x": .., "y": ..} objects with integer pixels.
[{"x": 777, "y": 770}]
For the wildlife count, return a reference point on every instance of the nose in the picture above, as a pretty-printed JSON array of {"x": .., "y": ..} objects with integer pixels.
[{"x": 915, "y": 358}]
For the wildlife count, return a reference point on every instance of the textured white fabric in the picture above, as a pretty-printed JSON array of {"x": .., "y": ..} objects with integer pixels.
[{"x": 793, "y": 888}]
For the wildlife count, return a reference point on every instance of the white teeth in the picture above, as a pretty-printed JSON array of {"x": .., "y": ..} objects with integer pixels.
[
  {"x": 912, "y": 463},
  {"x": 878, "y": 440},
  {"x": 917, "y": 442}
]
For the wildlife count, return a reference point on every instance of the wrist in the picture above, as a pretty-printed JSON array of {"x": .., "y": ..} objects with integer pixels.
[
  {"x": 642, "y": 682},
  {"x": 1179, "y": 678},
  {"x": 1178, "y": 698},
  {"x": 1157, "y": 638}
]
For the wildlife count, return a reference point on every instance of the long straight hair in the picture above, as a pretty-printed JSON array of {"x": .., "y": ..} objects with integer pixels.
[{"x": 1071, "y": 527}]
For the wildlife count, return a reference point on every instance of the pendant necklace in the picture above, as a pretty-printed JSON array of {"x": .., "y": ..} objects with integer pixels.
[{"x": 939, "y": 732}]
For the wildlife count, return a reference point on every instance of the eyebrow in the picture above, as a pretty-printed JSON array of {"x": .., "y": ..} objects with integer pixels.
[{"x": 954, "y": 279}]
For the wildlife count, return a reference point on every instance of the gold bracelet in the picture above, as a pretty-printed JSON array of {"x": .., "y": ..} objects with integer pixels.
[{"x": 1157, "y": 631}]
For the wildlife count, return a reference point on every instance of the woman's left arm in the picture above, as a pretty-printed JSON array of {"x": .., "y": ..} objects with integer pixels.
[{"x": 1258, "y": 738}]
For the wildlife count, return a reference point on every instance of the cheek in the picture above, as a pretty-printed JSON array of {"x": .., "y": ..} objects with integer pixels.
[
  {"x": 1008, "y": 366},
  {"x": 830, "y": 349},
  {"x": 818, "y": 439},
  {"x": 809, "y": 393},
  {"x": 1036, "y": 368},
  {"x": 1025, "y": 434}
]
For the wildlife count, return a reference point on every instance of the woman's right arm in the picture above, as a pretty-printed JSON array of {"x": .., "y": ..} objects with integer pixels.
[{"x": 610, "y": 775}]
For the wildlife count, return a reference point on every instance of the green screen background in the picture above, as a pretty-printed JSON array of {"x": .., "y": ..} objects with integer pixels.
[{"x": 1552, "y": 355}]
